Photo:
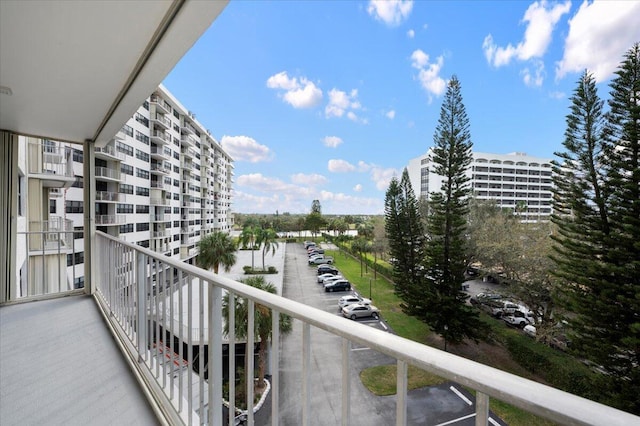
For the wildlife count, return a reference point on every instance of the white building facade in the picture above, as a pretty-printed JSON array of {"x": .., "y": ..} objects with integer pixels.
[
  {"x": 515, "y": 181},
  {"x": 163, "y": 182}
]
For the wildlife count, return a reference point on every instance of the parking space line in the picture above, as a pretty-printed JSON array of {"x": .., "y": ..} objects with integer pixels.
[
  {"x": 383, "y": 326},
  {"x": 360, "y": 349},
  {"x": 457, "y": 420},
  {"x": 460, "y": 395},
  {"x": 493, "y": 422}
]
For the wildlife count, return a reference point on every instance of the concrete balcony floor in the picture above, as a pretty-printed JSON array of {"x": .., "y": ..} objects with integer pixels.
[{"x": 59, "y": 364}]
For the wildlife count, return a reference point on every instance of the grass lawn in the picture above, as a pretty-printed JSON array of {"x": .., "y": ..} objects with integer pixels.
[{"x": 381, "y": 380}]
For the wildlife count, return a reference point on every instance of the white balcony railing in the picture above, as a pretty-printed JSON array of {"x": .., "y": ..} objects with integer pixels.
[{"x": 142, "y": 290}]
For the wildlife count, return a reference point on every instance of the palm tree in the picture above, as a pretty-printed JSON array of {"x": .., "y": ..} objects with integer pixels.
[
  {"x": 269, "y": 240},
  {"x": 262, "y": 321},
  {"x": 248, "y": 236},
  {"x": 216, "y": 249}
]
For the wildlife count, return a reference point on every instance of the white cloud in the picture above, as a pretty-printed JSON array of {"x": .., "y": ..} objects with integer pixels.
[
  {"x": 312, "y": 179},
  {"x": 340, "y": 166},
  {"x": 298, "y": 93},
  {"x": 541, "y": 18},
  {"x": 557, "y": 95},
  {"x": 429, "y": 73},
  {"x": 332, "y": 141},
  {"x": 391, "y": 12},
  {"x": 357, "y": 188},
  {"x": 536, "y": 77},
  {"x": 391, "y": 114},
  {"x": 382, "y": 177},
  {"x": 245, "y": 148},
  {"x": 411, "y": 34},
  {"x": 341, "y": 103},
  {"x": 599, "y": 34}
]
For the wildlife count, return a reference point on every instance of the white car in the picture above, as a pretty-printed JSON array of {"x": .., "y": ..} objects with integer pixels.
[
  {"x": 352, "y": 299},
  {"x": 322, "y": 277},
  {"x": 529, "y": 330},
  {"x": 358, "y": 310},
  {"x": 332, "y": 278}
]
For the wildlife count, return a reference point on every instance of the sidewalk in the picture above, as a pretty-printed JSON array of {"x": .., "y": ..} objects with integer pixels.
[{"x": 243, "y": 258}]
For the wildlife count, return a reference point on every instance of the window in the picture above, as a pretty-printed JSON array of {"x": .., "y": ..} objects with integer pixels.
[
  {"x": 176, "y": 223},
  {"x": 142, "y": 191},
  {"x": 176, "y": 114},
  {"x": 145, "y": 105},
  {"x": 176, "y": 237},
  {"x": 126, "y": 169},
  {"x": 176, "y": 196},
  {"x": 142, "y": 119},
  {"x": 75, "y": 258},
  {"x": 52, "y": 206},
  {"x": 78, "y": 282},
  {"x": 124, "y": 208},
  {"x": 21, "y": 196},
  {"x": 126, "y": 189},
  {"x": 127, "y": 130},
  {"x": 124, "y": 148},
  {"x": 74, "y": 207},
  {"x": 78, "y": 183},
  {"x": 176, "y": 169},
  {"x": 125, "y": 229},
  {"x": 141, "y": 173},
  {"x": 142, "y": 227},
  {"x": 176, "y": 183},
  {"x": 142, "y": 208},
  {"x": 176, "y": 250},
  {"x": 176, "y": 155},
  {"x": 141, "y": 155},
  {"x": 176, "y": 210},
  {"x": 78, "y": 233},
  {"x": 142, "y": 137},
  {"x": 144, "y": 243},
  {"x": 78, "y": 156}
]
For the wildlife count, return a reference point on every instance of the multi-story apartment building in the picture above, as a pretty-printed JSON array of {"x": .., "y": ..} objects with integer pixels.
[
  {"x": 515, "y": 181},
  {"x": 162, "y": 182}
]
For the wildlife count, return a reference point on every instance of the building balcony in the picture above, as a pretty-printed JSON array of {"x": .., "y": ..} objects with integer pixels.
[
  {"x": 189, "y": 152},
  {"x": 108, "y": 152},
  {"x": 111, "y": 219},
  {"x": 161, "y": 169},
  {"x": 109, "y": 196},
  {"x": 157, "y": 218},
  {"x": 187, "y": 129},
  {"x": 105, "y": 173},
  {"x": 159, "y": 136},
  {"x": 160, "y": 121},
  {"x": 51, "y": 163},
  {"x": 160, "y": 153},
  {"x": 158, "y": 184},
  {"x": 158, "y": 201},
  {"x": 188, "y": 140},
  {"x": 160, "y": 104},
  {"x": 51, "y": 236},
  {"x": 159, "y": 234}
]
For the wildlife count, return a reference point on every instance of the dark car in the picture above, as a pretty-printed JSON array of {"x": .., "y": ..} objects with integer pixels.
[
  {"x": 338, "y": 285},
  {"x": 324, "y": 269}
]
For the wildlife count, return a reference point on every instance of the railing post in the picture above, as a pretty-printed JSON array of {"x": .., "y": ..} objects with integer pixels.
[
  {"x": 215, "y": 355},
  {"x": 275, "y": 367},
  {"x": 401, "y": 394},
  {"x": 250, "y": 364},
  {"x": 141, "y": 298},
  {"x": 306, "y": 373},
  {"x": 346, "y": 382},
  {"x": 232, "y": 358},
  {"x": 482, "y": 409}
]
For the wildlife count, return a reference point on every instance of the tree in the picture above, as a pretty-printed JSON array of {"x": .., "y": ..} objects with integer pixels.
[
  {"x": 405, "y": 234},
  {"x": 445, "y": 310},
  {"x": 248, "y": 238},
  {"x": 262, "y": 321},
  {"x": 216, "y": 249},
  {"x": 597, "y": 212},
  {"x": 314, "y": 222},
  {"x": 268, "y": 238},
  {"x": 315, "y": 207}
]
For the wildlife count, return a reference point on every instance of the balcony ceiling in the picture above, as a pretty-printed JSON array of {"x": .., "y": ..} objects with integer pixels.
[{"x": 79, "y": 70}]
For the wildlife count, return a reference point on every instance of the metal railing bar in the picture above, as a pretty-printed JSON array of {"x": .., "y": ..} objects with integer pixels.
[
  {"x": 346, "y": 382},
  {"x": 231, "y": 321},
  {"x": 306, "y": 373},
  {"x": 201, "y": 349},
  {"x": 249, "y": 354},
  {"x": 275, "y": 367}
]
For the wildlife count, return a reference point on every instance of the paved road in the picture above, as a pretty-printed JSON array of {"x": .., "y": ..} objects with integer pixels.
[{"x": 428, "y": 406}]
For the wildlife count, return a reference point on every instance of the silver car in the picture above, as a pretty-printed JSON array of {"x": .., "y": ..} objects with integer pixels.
[
  {"x": 359, "y": 310},
  {"x": 351, "y": 300}
]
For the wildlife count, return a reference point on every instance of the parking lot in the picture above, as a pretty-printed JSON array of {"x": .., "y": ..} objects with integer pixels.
[{"x": 439, "y": 405}]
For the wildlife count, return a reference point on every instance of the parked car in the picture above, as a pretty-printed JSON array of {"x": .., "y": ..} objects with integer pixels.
[
  {"x": 323, "y": 269},
  {"x": 520, "y": 318},
  {"x": 321, "y": 258},
  {"x": 332, "y": 278},
  {"x": 307, "y": 244},
  {"x": 338, "y": 285},
  {"x": 560, "y": 342},
  {"x": 360, "y": 310},
  {"x": 499, "y": 308},
  {"x": 322, "y": 277},
  {"x": 530, "y": 330},
  {"x": 351, "y": 300},
  {"x": 483, "y": 297},
  {"x": 315, "y": 252}
]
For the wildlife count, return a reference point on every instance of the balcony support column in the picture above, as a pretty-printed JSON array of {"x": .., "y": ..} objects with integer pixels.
[
  {"x": 401, "y": 393},
  {"x": 89, "y": 191},
  {"x": 346, "y": 382},
  {"x": 9, "y": 209}
]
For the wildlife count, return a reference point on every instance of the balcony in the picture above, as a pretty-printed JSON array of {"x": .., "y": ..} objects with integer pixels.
[
  {"x": 108, "y": 152},
  {"x": 111, "y": 219},
  {"x": 160, "y": 121},
  {"x": 109, "y": 196},
  {"x": 159, "y": 136},
  {"x": 157, "y": 184},
  {"x": 159, "y": 234},
  {"x": 160, "y": 153},
  {"x": 105, "y": 173},
  {"x": 188, "y": 140},
  {"x": 161, "y": 169},
  {"x": 159, "y": 201},
  {"x": 51, "y": 163},
  {"x": 160, "y": 104},
  {"x": 157, "y": 218},
  {"x": 183, "y": 303},
  {"x": 187, "y": 128}
]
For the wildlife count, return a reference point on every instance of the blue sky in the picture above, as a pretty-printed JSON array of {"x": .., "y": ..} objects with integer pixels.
[{"x": 328, "y": 100}]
